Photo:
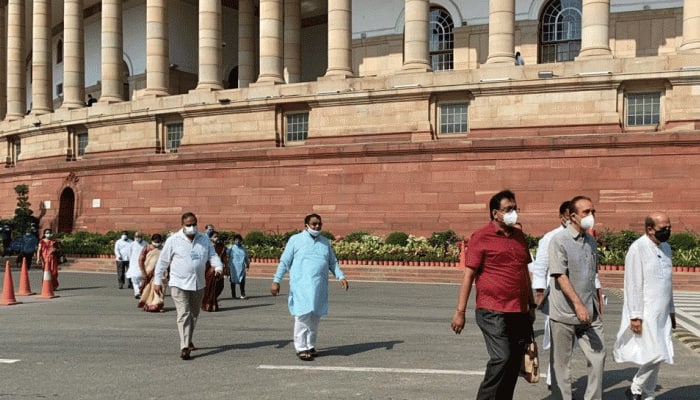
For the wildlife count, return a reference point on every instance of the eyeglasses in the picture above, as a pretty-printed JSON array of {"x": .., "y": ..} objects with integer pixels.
[
  {"x": 509, "y": 209},
  {"x": 315, "y": 223}
]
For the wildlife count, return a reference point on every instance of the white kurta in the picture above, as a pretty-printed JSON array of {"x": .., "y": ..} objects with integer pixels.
[
  {"x": 649, "y": 297},
  {"x": 135, "y": 249}
]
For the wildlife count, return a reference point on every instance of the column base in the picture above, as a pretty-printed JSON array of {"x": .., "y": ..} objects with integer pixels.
[
  {"x": 72, "y": 105},
  {"x": 690, "y": 48},
  {"x": 267, "y": 81},
  {"x": 141, "y": 93},
  {"x": 208, "y": 86},
  {"x": 109, "y": 100},
  {"x": 594, "y": 53},
  {"x": 416, "y": 67},
  {"x": 40, "y": 111}
]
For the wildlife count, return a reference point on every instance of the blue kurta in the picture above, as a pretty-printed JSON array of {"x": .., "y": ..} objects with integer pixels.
[
  {"x": 237, "y": 262},
  {"x": 308, "y": 261}
]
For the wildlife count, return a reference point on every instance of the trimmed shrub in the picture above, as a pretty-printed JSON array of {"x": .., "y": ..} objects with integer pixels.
[
  {"x": 397, "y": 238},
  {"x": 255, "y": 238},
  {"x": 355, "y": 237},
  {"x": 445, "y": 238},
  {"x": 683, "y": 241}
]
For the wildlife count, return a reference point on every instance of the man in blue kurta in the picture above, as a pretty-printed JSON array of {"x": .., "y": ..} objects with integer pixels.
[{"x": 308, "y": 256}]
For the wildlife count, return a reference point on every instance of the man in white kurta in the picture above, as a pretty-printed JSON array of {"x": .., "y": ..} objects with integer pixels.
[
  {"x": 308, "y": 256},
  {"x": 134, "y": 272},
  {"x": 648, "y": 313}
]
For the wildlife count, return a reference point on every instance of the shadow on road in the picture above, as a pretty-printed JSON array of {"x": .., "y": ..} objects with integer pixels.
[{"x": 350, "y": 349}]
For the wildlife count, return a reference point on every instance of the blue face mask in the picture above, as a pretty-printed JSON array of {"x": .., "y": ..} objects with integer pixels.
[{"x": 313, "y": 232}]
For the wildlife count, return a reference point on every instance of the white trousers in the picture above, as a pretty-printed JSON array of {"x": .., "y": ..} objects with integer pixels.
[
  {"x": 644, "y": 382},
  {"x": 305, "y": 330},
  {"x": 136, "y": 285}
]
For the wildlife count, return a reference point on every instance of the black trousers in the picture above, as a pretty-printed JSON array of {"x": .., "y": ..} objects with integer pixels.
[
  {"x": 122, "y": 266},
  {"x": 506, "y": 336},
  {"x": 25, "y": 256},
  {"x": 233, "y": 288}
]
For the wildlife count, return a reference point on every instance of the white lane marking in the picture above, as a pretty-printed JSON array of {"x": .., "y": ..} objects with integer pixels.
[
  {"x": 7, "y": 361},
  {"x": 373, "y": 369}
]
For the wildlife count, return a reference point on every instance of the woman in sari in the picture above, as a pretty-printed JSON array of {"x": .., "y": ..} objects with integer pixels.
[
  {"x": 49, "y": 251},
  {"x": 215, "y": 284},
  {"x": 150, "y": 299}
]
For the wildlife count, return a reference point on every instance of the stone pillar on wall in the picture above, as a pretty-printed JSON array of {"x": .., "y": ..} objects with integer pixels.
[
  {"x": 157, "y": 48},
  {"x": 595, "y": 29},
  {"x": 112, "y": 51},
  {"x": 73, "y": 54},
  {"x": 16, "y": 94},
  {"x": 3, "y": 65},
  {"x": 271, "y": 42},
  {"x": 210, "y": 58},
  {"x": 501, "y": 31},
  {"x": 417, "y": 35},
  {"x": 339, "y": 38},
  {"x": 42, "y": 73},
  {"x": 292, "y": 40},
  {"x": 691, "y": 27},
  {"x": 246, "y": 43}
]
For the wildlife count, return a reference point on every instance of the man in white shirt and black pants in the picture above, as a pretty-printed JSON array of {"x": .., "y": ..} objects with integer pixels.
[{"x": 186, "y": 253}]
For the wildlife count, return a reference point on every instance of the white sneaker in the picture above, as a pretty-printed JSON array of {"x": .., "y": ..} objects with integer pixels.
[{"x": 242, "y": 297}]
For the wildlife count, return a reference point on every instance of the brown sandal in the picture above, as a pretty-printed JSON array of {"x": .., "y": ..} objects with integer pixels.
[{"x": 305, "y": 356}]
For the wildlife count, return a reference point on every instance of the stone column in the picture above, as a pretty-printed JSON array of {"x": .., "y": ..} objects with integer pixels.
[
  {"x": 42, "y": 73},
  {"x": 112, "y": 51},
  {"x": 691, "y": 27},
  {"x": 157, "y": 48},
  {"x": 501, "y": 31},
  {"x": 16, "y": 94},
  {"x": 246, "y": 43},
  {"x": 3, "y": 64},
  {"x": 416, "y": 35},
  {"x": 271, "y": 50},
  {"x": 595, "y": 29},
  {"x": 292, "y": 40},
  {"x": 210, "y": 59},
  {"x": 73, "y": 54},
  {"x": 339, "y": 38}
]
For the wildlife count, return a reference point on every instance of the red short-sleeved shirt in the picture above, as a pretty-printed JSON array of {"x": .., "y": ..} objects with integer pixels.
[{"x": 501, "y": 264}]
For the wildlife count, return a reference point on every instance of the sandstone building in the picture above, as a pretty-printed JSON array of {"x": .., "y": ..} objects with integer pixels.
[{"x": 379, "y": 115}]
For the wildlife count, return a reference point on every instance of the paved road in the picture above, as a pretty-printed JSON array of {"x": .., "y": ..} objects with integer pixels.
[{"x": 380, "y": 341}]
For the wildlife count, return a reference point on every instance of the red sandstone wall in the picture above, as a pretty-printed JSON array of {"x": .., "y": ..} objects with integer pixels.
[{"x": 418, "y": 188}]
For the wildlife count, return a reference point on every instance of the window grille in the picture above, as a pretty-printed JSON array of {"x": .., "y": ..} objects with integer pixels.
[
  {"x": 441, "y": 40},
  {"x": 297, "y": 127},
  {"x": 453, "y": 118},
  {"x": 82, "y": 143},
  {"x": 174, "y": 133},
  {"x": 643, "y": 108},
  {"x": 561, "y": 31}
]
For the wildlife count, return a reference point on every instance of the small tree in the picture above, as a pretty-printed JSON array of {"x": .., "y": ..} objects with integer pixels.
[{"x": 23, "y": 218}]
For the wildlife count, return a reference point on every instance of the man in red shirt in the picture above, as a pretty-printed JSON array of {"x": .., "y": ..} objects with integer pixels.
[{"x": 497, "y": 259}]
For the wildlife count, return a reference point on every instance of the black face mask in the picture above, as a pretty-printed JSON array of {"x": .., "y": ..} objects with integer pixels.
[{"x": 662, "y": 235}]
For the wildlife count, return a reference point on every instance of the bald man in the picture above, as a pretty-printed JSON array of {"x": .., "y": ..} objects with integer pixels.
[{"x": 648, "y": 313}]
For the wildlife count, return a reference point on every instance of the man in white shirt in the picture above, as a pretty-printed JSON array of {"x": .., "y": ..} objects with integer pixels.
[
  {"x": 186, "y": 253},
  {"x": 121, "y": 253}
]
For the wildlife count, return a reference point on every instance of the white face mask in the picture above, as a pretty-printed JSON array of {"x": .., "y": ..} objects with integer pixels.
[
  {"x": 48, "y": 235},
  {"x": 124, "y": 237},
  {"x": 313, "y": 232},
  {"x": 190, "y": 230},
  {"x": 156, "y": 244},
  {"x": 510, "y": 218},
  {"x": 587, "y": 222}
]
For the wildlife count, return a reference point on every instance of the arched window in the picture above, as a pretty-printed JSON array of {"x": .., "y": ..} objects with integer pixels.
[
  {"x": 561, "y": 31},
  {"x": 441, "y": 39},
  {"x": 59, "y": 51}
]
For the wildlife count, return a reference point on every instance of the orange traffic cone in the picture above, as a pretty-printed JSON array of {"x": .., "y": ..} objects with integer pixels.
[
  {"x": 8, "y": 288},
  {"x": 24, "y": 287},
  {"x": 47, "y": 286}
]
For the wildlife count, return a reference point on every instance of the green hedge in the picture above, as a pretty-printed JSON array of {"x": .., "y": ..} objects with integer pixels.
[{"x": 364, "y": 246}]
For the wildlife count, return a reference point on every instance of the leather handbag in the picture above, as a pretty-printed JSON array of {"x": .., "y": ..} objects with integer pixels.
[{"x": 530, "y": 367}]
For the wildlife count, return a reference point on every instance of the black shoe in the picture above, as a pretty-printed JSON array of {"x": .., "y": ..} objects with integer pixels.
[
  {"x": 138, "y": 296},
  {"x": 185, "y": 354},
  {"x": 631, "y": 396}
]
